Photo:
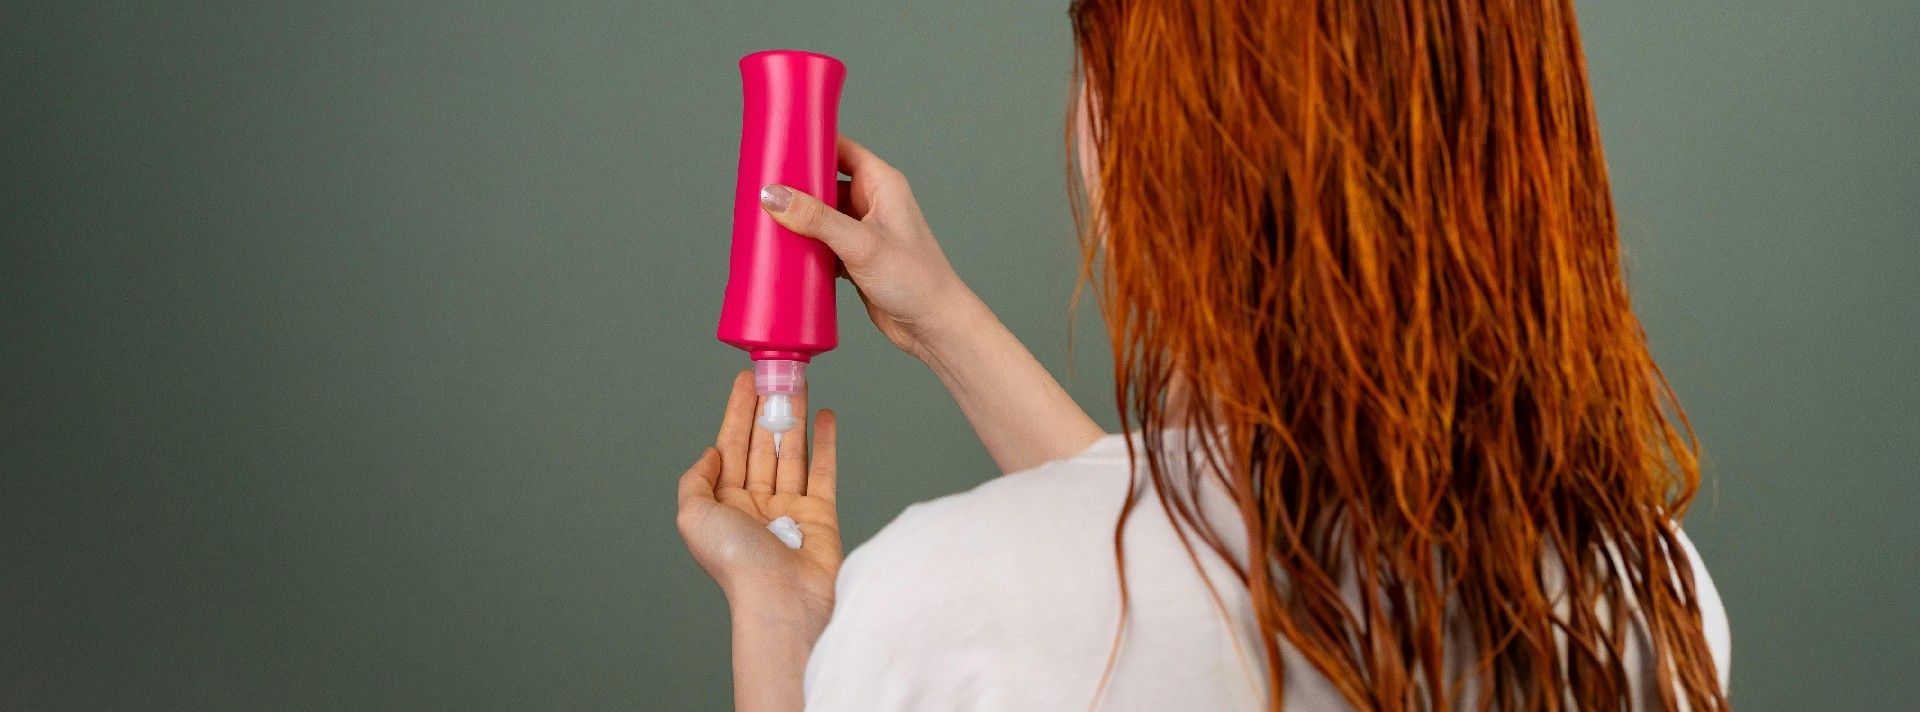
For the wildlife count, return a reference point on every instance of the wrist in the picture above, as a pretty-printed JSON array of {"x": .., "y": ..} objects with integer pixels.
[
  {"x": 787, "y": 610},
  {"x": 954, "y": 327},
  {"x": 774, "y": 630}
]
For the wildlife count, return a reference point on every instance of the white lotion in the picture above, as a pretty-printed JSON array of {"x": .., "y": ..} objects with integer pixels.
[{"x": 786, "y": 530}]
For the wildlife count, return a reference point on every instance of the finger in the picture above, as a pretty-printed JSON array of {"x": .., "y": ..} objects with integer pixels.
[
  {"x": 824, "y": 472},
  {"x": 790, "y": 470},
  {"x": 854, "y": 205},
  {"x": 760, "y": 458},
  {"x": 872, "y": 177},
  {"x": 855, "y": 160},
  {"x": 735, "y": 432},
  {"x": 850, "y": 239},
  {"x": 699, "y": 481}
]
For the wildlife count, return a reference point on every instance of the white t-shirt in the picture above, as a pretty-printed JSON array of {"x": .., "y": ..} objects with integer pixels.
[{"x": 1005, "y": 598}]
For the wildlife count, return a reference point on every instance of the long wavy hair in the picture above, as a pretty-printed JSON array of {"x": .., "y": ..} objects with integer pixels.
[{"x": 1373, "y": 245}]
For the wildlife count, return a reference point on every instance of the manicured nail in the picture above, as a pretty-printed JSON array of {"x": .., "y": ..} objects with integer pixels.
[{"x": 776, "y": 197}]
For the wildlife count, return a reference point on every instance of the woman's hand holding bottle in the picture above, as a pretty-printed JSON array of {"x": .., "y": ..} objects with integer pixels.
[
  {"x": 920, "y": 303},
  {"x": 885, "y": 247}
]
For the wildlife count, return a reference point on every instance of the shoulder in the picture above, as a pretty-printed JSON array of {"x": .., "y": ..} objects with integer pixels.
[
  {"x": 1099, "y": 467},
  {"x": 1713, "y": 612},
  {"x": 950, "y": 594},
  {"x": 978, "y": 539}
]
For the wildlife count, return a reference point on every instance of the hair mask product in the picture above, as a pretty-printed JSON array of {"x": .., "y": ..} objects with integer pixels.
[{"x": 779, "y": 304}]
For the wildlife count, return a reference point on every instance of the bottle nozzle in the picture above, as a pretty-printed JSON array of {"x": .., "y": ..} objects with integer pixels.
[
  {"x": 777, "y": 380},
  {"x": 776, "y": 415}
]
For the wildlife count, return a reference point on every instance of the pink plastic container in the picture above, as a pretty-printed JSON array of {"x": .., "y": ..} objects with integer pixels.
[{"x": 779, "y": 302}]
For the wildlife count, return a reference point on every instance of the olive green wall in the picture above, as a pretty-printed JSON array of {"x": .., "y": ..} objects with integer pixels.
[{"x": 349, "y": 351}]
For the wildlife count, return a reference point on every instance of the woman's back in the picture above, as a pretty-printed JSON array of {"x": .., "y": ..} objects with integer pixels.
[
  {"x": 1372, "y": 247},
  {"x": 1006, "y": 598}
]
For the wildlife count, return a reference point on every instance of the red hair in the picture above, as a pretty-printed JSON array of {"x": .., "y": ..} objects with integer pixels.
[{"x": 1375, "y": 243}]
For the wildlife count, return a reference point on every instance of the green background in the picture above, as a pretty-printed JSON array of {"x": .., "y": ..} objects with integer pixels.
[{"x": 350, "y": 351}]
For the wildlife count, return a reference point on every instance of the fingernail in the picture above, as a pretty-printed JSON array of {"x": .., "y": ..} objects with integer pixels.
[{"x": 776, "y": 197}]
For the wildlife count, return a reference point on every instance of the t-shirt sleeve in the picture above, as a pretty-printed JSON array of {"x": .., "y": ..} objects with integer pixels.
[
  {"x": 1713, "y": 615},
  {"x": 899, "y": 636},
  {"x": 975, "y": 602}
]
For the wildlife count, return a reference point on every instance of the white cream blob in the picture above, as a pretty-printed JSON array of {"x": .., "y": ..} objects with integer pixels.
[{"x": 786, "y": 530}]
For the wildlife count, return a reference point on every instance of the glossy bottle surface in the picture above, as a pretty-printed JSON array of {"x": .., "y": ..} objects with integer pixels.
[{"x": 780, "y": 285}]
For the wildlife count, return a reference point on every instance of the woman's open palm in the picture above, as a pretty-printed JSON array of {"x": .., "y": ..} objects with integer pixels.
[{"x": 741, "y": 485}]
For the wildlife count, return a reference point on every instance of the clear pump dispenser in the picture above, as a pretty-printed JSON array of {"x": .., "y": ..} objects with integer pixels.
[{"x": 777, "y": 380}]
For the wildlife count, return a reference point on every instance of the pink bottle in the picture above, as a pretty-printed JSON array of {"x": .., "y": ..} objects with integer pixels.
[{"x": 779, "y": 304}]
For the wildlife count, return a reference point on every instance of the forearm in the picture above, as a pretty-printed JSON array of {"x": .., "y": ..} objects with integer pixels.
[
  {"x": 1020, "y": 412},
  {"x": 772, "y": 637}
]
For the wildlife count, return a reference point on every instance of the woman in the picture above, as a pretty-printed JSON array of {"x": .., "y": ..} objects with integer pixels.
[{"x": 1400, "y": 444}]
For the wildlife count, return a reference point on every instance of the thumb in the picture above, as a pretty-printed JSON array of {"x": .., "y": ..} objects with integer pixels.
[
  {"x": 699, "y": 481},
  {"x": 850, "y": 239}
]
